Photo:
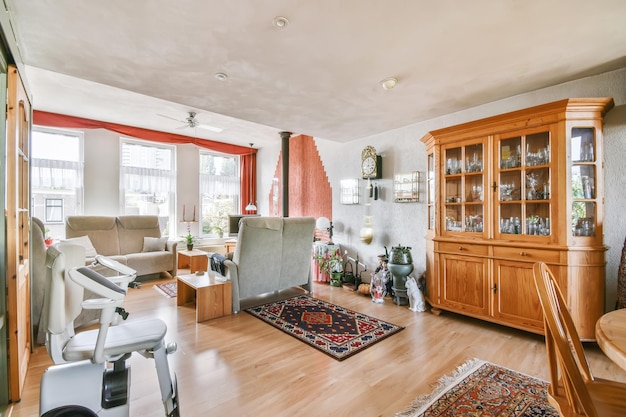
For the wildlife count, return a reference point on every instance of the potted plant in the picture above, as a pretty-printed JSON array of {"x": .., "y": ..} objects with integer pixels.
[
  {"x": 189, "y": 239},
  {"x": 219, "y": 230},
  {"x": 47, "y": 238},
  {"x": 331, "y": 263}
]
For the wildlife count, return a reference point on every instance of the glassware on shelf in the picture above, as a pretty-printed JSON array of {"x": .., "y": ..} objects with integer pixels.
[
  {"x": 506, "y": 192},
  {"x": 588, "y": 187},
  {"x": 474, "y": 223},
  {"x": 511, "y": 225},
  {"x": 541, "y": 157},
  {"x": 453, "y": 225},
  {"x": 538, "y": 226},
  {"x": 475, "y": 194},
  {"x": 453, "y": 166},
  {"x": 510, "y": 158},
  {"x": 533, "y": 180},
  {"x": 474, "y": 164},
  {"x": 583, "y": 149},
  {"x": 587, "y": 153},
  {"x": 585, "y": 227}
]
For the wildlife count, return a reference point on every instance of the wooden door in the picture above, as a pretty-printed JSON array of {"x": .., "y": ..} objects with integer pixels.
[
  {"x": 17, "y": 230},
  {"x": 464, "y": 284},
  {"x": 515, "y": 298}
]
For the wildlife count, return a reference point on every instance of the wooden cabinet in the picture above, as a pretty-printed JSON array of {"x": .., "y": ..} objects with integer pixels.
[
  {"x": 17, "y": 230},
  {"x": 511, "y": 190}
]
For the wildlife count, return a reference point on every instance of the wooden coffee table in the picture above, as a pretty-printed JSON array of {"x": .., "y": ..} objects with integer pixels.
[
  {"x": 195, "y": 260},
  {"x": 211, "y": 296}
]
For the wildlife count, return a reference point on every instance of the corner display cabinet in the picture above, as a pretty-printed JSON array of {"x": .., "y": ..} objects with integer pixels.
[{"x": 511, "y": 190}]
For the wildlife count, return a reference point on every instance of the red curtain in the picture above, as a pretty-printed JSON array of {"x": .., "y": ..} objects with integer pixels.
[{"x": 247, "y": 155}]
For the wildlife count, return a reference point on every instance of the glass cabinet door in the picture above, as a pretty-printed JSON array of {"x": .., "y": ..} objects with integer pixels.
[
  {"x": 583, "y": 148},
  {"x": 430, "y": 190},
  {"x": 463, "y": 183},
  {"x": 523, "y": 172}
]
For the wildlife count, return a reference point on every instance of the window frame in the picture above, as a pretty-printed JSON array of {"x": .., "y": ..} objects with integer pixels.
[
  {"x": 171, "y": 228},
  {"x": 237, "y": 198},
  {"x": 77, "y": 192}
]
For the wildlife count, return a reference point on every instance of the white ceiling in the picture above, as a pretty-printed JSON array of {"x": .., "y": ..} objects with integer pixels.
[{"x": 128, "y": 61}]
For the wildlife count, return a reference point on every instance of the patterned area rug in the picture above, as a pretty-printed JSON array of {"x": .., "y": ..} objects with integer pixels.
[
  {"x": 336, "y": 331},
  {"x": 168, "y": 289},
  {"x": 480, "y": 388}
]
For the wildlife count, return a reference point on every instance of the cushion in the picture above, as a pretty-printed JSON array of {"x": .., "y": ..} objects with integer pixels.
[
  {"x": 154, "y": 244},
  {"x": 84, "y": 241}
]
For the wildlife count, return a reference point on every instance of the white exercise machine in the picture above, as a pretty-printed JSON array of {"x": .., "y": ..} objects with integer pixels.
[{"x": 90, "y": 376}]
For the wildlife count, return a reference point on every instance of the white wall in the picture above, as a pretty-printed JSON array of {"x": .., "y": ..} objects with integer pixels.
[{"x": 402, "y": 151}]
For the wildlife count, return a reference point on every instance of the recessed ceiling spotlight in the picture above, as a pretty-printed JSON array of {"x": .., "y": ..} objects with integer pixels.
[
  {"x": 389, "y": 83},
  {"x": 221, "y": 76},
  {"x": 281, "y": 22}
]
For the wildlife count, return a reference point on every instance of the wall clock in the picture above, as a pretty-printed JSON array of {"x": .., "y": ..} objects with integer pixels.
[{"x": 371, "y": 164}]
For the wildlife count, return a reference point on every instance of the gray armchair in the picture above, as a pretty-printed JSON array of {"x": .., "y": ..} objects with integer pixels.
[{"x": 272, "y": 254}]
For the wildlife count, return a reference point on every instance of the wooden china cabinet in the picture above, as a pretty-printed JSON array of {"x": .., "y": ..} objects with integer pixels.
[{"x": 508, "y": 191}]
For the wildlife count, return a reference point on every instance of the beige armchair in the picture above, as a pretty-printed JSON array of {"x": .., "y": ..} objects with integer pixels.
[{"x": 272, "y": 254}]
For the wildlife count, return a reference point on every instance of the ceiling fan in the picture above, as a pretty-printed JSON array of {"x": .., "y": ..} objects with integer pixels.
[{"x": 191, "y": 122}]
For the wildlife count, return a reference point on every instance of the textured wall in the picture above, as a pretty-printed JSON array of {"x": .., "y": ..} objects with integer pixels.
[
  {"x": 615, "y": 194},
  {"x": 310, "y": 192}
]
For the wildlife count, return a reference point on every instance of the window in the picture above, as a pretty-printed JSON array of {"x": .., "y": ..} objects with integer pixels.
[
  {"x": 56, "y": 176},
  {"x": 219, "y": 192},
  {"x": 54, "y": 210},
  {"x": 148, "y": 181}
]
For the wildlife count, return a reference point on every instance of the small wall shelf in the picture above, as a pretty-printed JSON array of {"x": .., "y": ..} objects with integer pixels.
[
  {"x": 406, "y": 187},
  {"x": 349, "y": 191}
]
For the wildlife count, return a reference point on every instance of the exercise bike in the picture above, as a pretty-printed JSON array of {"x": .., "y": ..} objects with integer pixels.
[{"x": 90, "y": 377}]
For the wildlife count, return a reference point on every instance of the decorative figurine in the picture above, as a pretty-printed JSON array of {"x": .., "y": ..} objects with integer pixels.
[{"x": 416, "y": 298}]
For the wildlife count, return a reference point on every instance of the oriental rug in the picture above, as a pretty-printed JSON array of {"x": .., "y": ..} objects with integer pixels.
[
  {"x": 168, "y": 289},
  {"x": 480, "y": 388},
  {"x": 334, "y": 330}
]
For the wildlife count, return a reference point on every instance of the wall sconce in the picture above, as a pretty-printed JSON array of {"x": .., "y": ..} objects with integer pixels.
[{"x": 324, "y": 224}]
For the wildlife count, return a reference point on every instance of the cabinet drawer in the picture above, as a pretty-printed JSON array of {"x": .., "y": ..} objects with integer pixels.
[
  {"x": 527, "y": 255},
  {"x": 463, "y": 248}
]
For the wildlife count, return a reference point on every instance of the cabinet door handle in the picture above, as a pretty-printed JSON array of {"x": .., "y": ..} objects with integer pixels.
[
  {"x": 523, "y": 254},
  {"x": 494, "y": 288},
  {"x": 495, "y": 186},
  {"x": 461, "y": 248}
]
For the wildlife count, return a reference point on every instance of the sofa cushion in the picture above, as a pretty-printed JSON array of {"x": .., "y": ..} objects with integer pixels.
[
  {"x": 85, "y": 242},
  {"x": 102, "y": 231},
  {"x": 132, "y": 230},
  {"x": 154, "y": 244},
  {"x": 149, "y": 262}
]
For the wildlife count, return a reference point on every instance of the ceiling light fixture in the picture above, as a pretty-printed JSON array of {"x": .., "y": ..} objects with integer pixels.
[
  {"x": 281, "y": 22},
  {"x": 251, "y": 206},
  {"x": 389, "y": 83},
  {"x": 221, "y": 76}
]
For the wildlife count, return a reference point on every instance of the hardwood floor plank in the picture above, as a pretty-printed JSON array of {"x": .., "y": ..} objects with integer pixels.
[{"x": 239, "y": 365}]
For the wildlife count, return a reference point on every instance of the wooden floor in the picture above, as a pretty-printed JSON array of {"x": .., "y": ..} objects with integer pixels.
[{"x": 238, "y": 365}]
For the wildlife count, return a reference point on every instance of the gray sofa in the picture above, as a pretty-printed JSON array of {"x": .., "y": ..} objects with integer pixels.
[
  {"x": 131, "y": 240},
  {"x": 272, "y": 254}
]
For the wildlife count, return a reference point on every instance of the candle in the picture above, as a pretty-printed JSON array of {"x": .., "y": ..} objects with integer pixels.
[{"x": 183, "y": 212}]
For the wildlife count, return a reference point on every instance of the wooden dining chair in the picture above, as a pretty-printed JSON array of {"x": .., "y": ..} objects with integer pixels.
[{"x": 573, "y": 390}]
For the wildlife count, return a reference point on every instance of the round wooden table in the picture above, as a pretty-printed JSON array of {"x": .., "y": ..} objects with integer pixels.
[{"x": 611, "y": 336}]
